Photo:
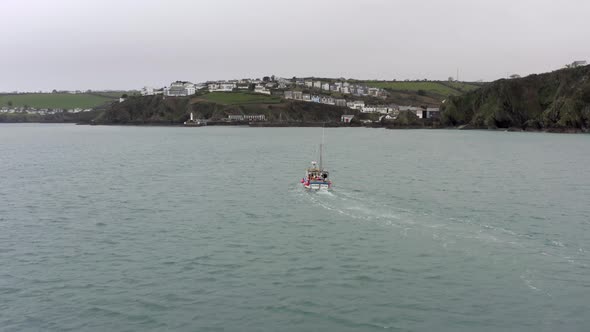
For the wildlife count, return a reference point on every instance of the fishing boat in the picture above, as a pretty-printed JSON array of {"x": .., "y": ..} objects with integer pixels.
[{"x": 317, "y": 177}]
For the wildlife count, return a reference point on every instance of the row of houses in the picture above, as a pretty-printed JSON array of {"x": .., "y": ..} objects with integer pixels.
[
  {"x": 176, "y": 89},
  {"x": 328, "y": 100},
  {"x": 246, "y": 117},
  {"x": 185, "y": 88},
  {"x": 343, "y": 87},
  {"x": 422, "y": 113}
]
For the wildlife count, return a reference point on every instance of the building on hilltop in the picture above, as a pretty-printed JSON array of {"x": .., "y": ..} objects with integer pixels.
[
  {"x": 335, "y": 87},
  {"x": 373, "y": 92},
  {"x": 221, "y": 87},
  {"x": 576, "y": 64},
  {"x": 261, "y": 89},
  {"x": 147, "y": 91},
  {"x": 180, "y": 89}
]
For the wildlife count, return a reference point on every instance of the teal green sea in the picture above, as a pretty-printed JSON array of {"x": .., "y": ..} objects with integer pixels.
[{"x": 208, "y": 229}]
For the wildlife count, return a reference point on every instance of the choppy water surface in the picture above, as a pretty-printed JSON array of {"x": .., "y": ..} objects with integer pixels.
[{"x": 207, "y": 229}]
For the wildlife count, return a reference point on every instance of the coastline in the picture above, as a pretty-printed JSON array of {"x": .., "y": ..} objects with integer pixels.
[
  {"x": 344, "y": 125},
  {"x": 293, "y": 124}
]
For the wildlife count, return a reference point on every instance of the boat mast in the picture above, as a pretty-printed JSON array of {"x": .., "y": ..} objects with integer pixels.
[
  {"x": 322, "y": 151},
  {"x": 321, "y": 161}
]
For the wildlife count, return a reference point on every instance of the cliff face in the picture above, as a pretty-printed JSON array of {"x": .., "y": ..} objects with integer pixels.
[
  {"x": 553, "y": 101},
  {"x": 156, "y": 110},
  {"x": 146, "y": 110}
]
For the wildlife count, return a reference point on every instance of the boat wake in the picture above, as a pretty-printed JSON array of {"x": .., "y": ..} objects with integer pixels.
[{"x": 451, "y": 233}]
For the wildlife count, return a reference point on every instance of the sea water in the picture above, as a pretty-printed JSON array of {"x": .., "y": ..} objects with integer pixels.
[{"x": 208, "y": 229}]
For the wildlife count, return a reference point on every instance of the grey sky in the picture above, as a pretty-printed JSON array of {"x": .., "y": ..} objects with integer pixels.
[{"x": 123, "y": 44}]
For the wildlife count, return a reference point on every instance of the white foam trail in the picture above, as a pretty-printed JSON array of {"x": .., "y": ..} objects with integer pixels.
[{"x": 450, "y": 231}]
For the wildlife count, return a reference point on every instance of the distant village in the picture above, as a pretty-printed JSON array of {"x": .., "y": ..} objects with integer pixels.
[
  {"x": 337, "y": 93},
  {"x": 40, "y": 111}
]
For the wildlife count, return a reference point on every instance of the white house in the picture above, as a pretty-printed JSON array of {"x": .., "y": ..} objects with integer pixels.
[
  {"x": 578, "y": 64},
  {"x": 247, "y": 117},
  {"x": 326, "y": 86},
  {"x": 317, "y": 84},
  {"x": 255, "y": 117},
  {"x": 373, "y": 92},
  {"x": 147, "y": 91},
  {"x": 221, "y": 87},
  {"x": 360, "y": 91},
  {"x": 357, "y": 105},
  {"x": 190, "y": 89},
  {"x": 235, "y": 117},
  {"x": 309, "y": 84},
  {"x": 179, "y": 89},
  {"x": 261, "y": 89},
  {"x": 382, "y": 109}
]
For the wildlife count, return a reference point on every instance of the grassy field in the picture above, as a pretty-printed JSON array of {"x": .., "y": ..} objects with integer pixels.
[
  {"x": 55, "y": 100},
  {"x": 234, "y": 98},
  {"x": 440, "y": 88}
]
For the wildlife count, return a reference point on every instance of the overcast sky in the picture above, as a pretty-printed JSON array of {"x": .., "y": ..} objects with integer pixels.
[{"x": 126, "y": 44}]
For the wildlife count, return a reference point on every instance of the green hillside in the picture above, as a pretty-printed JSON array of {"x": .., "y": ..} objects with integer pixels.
[
  {"x": 435, "y": 87},
  {"x": 559, "y": 100},
  {"x": 241, "y": 98},
  {"x": 56, "y": 100},
  {"x": 158, "y": 110}
]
